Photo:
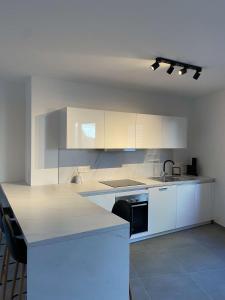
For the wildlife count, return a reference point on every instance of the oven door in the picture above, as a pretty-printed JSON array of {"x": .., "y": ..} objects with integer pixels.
[{"x": 139, "y": 217}]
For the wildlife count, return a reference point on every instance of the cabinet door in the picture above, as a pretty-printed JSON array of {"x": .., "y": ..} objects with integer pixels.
[
  {"x": 148, "y": 131},
  {"x": 174, "y": 132},
  {"x": 106, "y": 201},
  {"x": 162, "y": 209},
  {"x": 186, "y": 206},
  {"x": 119, "y": 130},
  {"x": 85, "y": 128},
  {"x": 203, "y": 203}
]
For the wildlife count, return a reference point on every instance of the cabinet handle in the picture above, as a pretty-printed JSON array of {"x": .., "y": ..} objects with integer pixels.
[{"x": 163, "y": 189}]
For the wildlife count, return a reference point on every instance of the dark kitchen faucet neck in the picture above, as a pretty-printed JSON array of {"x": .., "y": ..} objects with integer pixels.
[{"x": 165, "y": 162}]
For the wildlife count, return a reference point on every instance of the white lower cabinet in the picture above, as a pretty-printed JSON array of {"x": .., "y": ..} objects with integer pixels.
[
  {"x": 162, "y": 209},
  {"x": 203, "y": 202},
  {"x": 194, "y": 204},
  {"x": 178, "y": 206},
  {"x": 169, "y": 207},
  {"x": 106, "y": 200},
  {"x": 186, "y": 214}
]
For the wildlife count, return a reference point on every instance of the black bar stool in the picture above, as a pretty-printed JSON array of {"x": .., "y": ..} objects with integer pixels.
[
  {"x": 8, "y": 211},
  {"x": 3, "y": 211},
  {"x": 18, "y": 250}
]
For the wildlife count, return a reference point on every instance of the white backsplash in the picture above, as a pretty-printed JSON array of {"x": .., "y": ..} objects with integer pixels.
[
  {"x": 100, "y": 165},
  {"x": 125, "y": 171}
]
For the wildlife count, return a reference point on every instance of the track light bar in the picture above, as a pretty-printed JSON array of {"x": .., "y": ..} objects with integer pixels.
[{"x": 174, "y": 63}]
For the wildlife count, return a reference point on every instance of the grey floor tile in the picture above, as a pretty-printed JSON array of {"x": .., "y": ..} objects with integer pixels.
[
  {"x": 213, "y": 282},
  {"x": 159, "y": 263},
  {"x": 173, "y": 287},
  {"x": 219, "y": 252},
  {"x": 198, "y": 258},
  {"x": 209, "y": 229},
  {"x": 212, "y": 236},
  {"x": 184, "y": 265},
  {"x": 165, "y": 243},
  {"x": 138, "y": 290}
]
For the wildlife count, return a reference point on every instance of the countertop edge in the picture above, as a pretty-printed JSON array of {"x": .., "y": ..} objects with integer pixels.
[
  {"x": 145, "y": 186},
  {"x": 75, "y": 236}
]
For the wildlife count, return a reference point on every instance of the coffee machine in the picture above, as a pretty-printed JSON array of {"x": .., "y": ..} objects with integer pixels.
[{"x": 193, "y": 168}]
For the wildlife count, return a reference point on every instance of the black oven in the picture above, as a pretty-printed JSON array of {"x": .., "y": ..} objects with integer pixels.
[{"x": 134, "y": 209}]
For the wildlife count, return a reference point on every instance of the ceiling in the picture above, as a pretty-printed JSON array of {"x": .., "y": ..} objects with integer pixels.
[{"x": 114, "y": 41}]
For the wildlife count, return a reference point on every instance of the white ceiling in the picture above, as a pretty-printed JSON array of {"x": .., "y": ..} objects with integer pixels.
[{"x": 114, "y": 41}]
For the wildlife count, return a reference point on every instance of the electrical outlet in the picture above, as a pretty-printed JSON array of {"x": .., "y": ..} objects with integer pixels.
[{"x": 83, "y": 169}]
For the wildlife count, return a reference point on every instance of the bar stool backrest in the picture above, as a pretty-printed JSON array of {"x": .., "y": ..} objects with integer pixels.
[
  {"x": 3, "y": 211},
  {"x": 16, "y": 244},
  {"x": 1, "y": 217}
]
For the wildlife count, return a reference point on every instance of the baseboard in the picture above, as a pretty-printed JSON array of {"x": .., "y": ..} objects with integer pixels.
[
  {"x": 219, "y": 224},
  {"x": 134, "y": 239}
]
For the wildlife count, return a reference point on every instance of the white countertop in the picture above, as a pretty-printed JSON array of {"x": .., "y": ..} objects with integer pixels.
[
  {"x": 55, "y": 212},
  {"x": 91, "y": 188}
]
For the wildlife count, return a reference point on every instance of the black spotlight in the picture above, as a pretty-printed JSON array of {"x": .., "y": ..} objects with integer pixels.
[
  {"x": 170, "y": 69},
  {"x": 182, "y": 71},
  {"x": 155, "y": 66},
  {"x": 196, "y": 75}
]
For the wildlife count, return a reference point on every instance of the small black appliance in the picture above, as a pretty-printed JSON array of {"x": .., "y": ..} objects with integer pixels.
[{"x": 193, "y": 168}]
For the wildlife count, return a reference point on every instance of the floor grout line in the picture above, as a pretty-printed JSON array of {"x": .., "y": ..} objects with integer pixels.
[{"x": 201, "y": 288}]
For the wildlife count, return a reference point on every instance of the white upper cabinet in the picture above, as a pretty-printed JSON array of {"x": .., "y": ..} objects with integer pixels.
[
  {"x": 119, "y": 130},
  {"x": 98, "y": 129},
  {"x": 82, "y": 128},
  {"x": 148, "y": 131},
  {"x": 174, "y": 132}
]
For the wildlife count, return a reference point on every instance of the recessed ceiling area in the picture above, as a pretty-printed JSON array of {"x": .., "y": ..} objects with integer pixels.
[{"x": 114, "y": 41}]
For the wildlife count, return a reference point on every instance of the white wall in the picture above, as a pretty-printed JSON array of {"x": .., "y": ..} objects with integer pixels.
[
  {"x": 12, "y": 131},
  {"x": 208, "y": 144},
  {"x": 48, "y": 95}
]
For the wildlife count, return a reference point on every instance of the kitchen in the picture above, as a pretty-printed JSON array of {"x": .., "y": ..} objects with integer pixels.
[{"x": 82, "y": 134}]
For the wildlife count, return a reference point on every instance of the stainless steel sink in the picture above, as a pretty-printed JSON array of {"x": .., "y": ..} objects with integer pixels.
[{"x": 173, "y": 178}]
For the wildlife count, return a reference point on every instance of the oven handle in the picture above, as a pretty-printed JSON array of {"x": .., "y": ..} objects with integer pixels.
[
  {"x": 163, "y": 189},
  {"x": 138, "y": 205}
]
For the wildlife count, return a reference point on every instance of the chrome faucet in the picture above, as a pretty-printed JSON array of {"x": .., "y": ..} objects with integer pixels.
[{"x": 164, "y": 166}]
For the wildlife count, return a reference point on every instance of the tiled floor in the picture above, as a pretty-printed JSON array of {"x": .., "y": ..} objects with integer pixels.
[
  {"x": 10, "y": 277},
  {"x": 187, "y": 265}
]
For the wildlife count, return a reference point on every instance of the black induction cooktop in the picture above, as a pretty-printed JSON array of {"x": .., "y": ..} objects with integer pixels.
[{"x": 122, "y": 183}]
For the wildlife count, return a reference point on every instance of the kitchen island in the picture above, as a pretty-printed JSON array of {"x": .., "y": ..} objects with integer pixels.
[{"x": 76, "y": 249}]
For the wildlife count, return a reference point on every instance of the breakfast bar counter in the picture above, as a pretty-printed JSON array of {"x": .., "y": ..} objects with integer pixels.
[{"x": 76, "y": 250}]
